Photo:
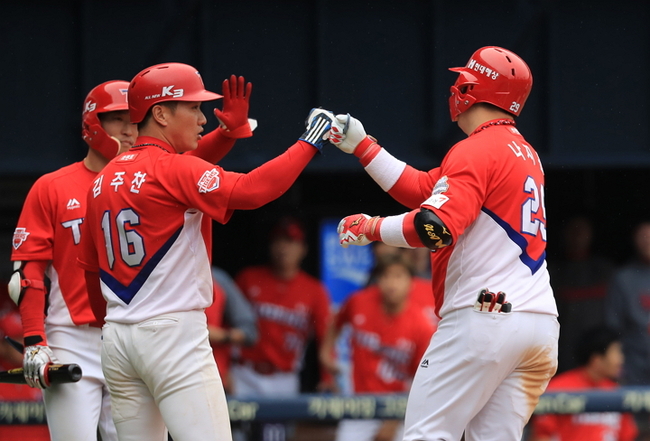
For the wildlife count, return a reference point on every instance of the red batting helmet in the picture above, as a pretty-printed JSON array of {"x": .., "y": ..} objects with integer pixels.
[
  {"x": 165, "y": 82},
  {"x": 492, "y": 75},
  {"x": 107, "y": 97}
]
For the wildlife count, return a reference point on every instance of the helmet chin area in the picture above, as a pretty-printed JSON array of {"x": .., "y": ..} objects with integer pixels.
[{"x": 460, "y": 100}]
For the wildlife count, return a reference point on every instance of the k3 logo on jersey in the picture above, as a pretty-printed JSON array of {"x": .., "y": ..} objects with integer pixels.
[
  {"x": 167, "y": 91},
  {"x": 20, "y": 236},
  {"x": 209, "y": 181},
  {"x": 437, "y": 198}
]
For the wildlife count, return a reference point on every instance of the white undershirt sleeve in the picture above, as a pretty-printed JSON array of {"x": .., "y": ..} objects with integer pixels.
[
  {"x": 385, "y": 169},
  {"x": 391, "y": 231}
]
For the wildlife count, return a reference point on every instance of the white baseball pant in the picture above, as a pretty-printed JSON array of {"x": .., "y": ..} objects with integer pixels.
[
  {"x": 482, "y": 373},
  {"x": 161, "y": 372},
  {"x": 76, "y": 410},
  {"x": 363, "y": 430}
]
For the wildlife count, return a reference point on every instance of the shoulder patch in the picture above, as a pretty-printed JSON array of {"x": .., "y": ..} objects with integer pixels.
[
  {"x": 20, "y": 236},
  {"x": 209, "y": 181}
]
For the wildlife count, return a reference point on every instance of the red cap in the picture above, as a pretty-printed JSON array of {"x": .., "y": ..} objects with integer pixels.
[{"x": 288, "y": 228}]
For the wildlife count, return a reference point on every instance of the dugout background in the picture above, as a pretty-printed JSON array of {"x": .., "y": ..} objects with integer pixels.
[{"x": 383, "y": 61}]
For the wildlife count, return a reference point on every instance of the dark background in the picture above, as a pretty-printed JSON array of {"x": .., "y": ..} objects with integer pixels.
[{"x": 384, "y": 62}]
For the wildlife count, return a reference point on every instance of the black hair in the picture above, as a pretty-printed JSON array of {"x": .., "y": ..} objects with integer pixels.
[
  {"x": 595, "y": 341},
  {"x": 171, "y": 105},
  {"x": 384, "y": 262}
]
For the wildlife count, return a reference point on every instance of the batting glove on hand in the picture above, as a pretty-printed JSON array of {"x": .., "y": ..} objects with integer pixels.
[
  {"x": 234, "y": 116},
  {"x": 97, "y": 138},
  {"x": 347, "y": 132},
  {"x": 358, "y": 229},
  {"x": 318, "y": 123},
  {"x": 36, "y": 360}
]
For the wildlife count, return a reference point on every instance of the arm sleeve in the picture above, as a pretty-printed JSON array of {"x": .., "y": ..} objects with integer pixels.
[
  {"x": 32, "y": 306},
  {"x": 213, "y": 147},
  {"x": 270, "y": 180},
  {"x": 414, "y": 186},
  {"x": 238, "y": 312}
]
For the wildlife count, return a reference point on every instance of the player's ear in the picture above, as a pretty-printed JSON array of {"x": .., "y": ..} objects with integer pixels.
[{"x": 160, "y": 114}]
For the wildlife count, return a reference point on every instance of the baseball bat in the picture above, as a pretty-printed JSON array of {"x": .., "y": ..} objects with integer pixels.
[{"x": 56, "y": 374}]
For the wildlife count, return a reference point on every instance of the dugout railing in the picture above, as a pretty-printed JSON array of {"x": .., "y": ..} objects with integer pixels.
[{"x": 318, "y": 407}]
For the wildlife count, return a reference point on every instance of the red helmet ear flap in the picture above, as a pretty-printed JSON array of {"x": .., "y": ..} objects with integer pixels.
[{"x": 461, "y": 97}]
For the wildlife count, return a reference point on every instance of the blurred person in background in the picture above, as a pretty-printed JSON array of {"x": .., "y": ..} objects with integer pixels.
[
  {"x": 291, "y": 307},
  {"x": 600, "y": 361},
  {"x": 579, "y": 280},
  {"x": 389, "y": 334}
]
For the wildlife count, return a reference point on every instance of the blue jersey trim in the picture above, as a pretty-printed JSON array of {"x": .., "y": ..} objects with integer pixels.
[
  {"x": 127, "y": 293},
  {"x": 520, "y": 241}
]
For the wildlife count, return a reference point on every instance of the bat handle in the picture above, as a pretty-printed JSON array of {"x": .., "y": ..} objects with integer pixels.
[{"x": 63, "y": 373}]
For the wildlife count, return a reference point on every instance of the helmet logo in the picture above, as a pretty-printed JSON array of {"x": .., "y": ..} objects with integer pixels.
[
  {"x": 167, "y": 91},
  {"x": 90, "y": 106},
  {"x": 476, "y": 66}
]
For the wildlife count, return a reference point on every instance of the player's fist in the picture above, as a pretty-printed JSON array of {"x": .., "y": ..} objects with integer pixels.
[
  {"x": 36, "y": 360},
  {"x": 318, "y": 123},
  {"x": 347, "y": 132},
  {"x": 358, "y": 229},
  {"x": 234, "y": 116}
]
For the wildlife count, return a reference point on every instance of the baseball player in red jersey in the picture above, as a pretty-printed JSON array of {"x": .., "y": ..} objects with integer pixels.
[
  {"x": 600, "y": 358},
  {"x": 389, "y": 334},
  {"x": 45, "y": 245},
  {"x": 147, "y": 263},
  {"x": 482, "y": 214},
  {"x": 290, "y": 305}
]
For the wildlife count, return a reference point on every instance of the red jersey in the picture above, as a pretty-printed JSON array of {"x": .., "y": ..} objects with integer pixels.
[
  {"x": 288, "y": 313},
  {"x": 144, "y": 224},
  {"x": 490, "y": 194},
  {"x": 386, "y": 349},
  {"x": 49, "y": 228},
  {"x": 596, "y": 426}
]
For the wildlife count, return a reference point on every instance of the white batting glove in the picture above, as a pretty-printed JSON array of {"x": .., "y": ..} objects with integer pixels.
[
  {"x": 36, "y": 359},
  {"x": 347, "y": 132}
]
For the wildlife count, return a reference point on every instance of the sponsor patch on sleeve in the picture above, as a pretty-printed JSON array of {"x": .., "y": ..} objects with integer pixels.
[
  {"x": 209, "y": 181},
  {"x": 437, "y": 198},
  {"x": 20, "y": 236}
]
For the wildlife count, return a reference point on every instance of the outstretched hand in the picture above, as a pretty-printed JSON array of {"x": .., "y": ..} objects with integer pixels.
[{"x": 236, "y": 102}]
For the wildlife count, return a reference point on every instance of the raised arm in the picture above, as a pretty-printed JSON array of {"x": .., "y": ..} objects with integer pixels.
[{"x": 404, "y": 183}]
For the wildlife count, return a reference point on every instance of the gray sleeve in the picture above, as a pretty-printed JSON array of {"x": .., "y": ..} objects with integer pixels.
[{"x": 238, "y": 312}]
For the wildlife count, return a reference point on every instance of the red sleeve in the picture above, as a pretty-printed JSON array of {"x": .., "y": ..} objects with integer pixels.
[
  {"x": 213, "y": 147},
  {"x": 414, "y": 186},
  {"x": 270, "y": 180},
  {"x": 34, "y": 235},
  {"x": 32, "y": 305},
  {"x": 629, "y": 430},
  {"x": 87, "y": 257},
  {"x": 95, "y": 297},
  {"x": 545, "y": 425},
  {"x": 467, "y": 177}
]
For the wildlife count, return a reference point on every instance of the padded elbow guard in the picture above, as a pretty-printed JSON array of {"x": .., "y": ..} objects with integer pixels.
[{"x": 431, "y": 230}]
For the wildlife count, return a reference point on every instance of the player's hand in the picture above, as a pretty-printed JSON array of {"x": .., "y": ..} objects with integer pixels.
[
  {"x": 97, "y": 138},
  {"x": 36, "y": 360},
  {"x": 318, "y": 123},
  {"x": 234, "y": 116},
  {"x": 358, "y": 229},
  {"x": 347, "y": 132}
]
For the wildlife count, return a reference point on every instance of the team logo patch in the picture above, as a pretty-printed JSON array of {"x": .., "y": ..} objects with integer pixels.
[
  {"x": 209, "y": 181},
  {"x": 437, "y": 198},
  {"x": 20, "y": 236}
]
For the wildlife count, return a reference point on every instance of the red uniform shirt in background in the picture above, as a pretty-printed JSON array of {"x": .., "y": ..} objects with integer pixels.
[
  {"x": 288, "y": 313},
  {"x": 214, "y": 315},
  {"x": 596, "y": 426},
  {"x": 386, "y": 349},
  {"x": 56, "y": 207}
]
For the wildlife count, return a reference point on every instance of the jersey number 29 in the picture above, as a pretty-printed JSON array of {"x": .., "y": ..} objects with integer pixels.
[{"x": 531, "y": 223}]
